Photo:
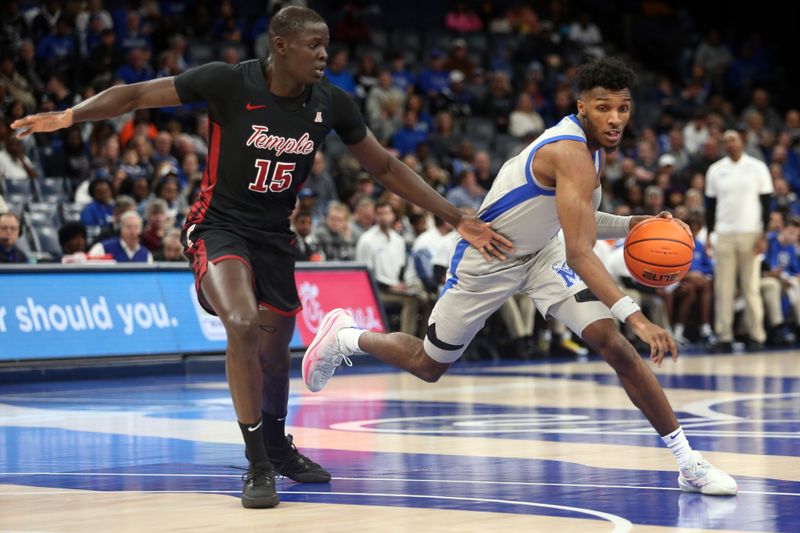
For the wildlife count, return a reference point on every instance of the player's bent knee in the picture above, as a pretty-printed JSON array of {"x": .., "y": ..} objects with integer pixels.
[
  {"x": 241, "y": 326},
  {"x": 608, "y": 341}
]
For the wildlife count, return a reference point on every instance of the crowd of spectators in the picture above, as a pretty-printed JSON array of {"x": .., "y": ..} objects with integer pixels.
[{"x": 453, "y": 99}]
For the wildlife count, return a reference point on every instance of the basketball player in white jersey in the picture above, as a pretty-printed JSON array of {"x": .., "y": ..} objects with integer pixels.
[{"x": 553, "y": 184}]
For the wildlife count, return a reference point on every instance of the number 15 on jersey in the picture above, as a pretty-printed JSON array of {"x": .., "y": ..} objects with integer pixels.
[{"x": 281, "y": 177}]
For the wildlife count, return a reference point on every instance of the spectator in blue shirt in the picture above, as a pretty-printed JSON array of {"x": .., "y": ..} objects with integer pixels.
[
  {"x": 410, "y": 135},
  {"x": 780, "y": 285},
  {"x": 100, "y": 211},
  {"x": 402, "y": 78},
  {"x": 337, "y": 72},
  {"x": 136, "y": 69},
  {"x": 59, "y": 46},
  {"x": 697, "y": 285},
  {"x": 434, "y": 79}
]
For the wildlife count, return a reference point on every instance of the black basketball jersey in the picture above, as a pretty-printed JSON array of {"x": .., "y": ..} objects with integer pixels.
[{"x": 261, "y": 146}]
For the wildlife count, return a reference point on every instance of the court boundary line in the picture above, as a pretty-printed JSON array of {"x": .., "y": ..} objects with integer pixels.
[{"x": 404, "y": 480}]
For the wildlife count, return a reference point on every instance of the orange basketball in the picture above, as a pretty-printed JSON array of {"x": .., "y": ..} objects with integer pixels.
[{"x": 658, "y": 252}]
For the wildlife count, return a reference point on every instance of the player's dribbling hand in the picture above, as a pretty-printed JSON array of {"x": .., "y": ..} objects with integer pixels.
[
  {"x": 42, "y": 122},
  {"x": 480, "y": 235},
  {"x": 659, "y": 340}
]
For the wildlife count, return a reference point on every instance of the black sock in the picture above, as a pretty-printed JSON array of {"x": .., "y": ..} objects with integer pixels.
[
  {"x": 254, "y": 441},
  {"x": 274, "y": 430}
]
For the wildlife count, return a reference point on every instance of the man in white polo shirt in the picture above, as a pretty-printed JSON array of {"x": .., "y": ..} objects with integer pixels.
[
  {"x": 738, "y": 192},
  {"x": 384, "y": 252}
]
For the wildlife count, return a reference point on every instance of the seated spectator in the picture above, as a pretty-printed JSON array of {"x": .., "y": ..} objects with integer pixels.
[
  {"x": 781, "y": 279},
  {"x": 382, "y": 93},
  {"x": 321, "y": 181},
  {"x": 100, "y": 211},
  {"x": 167, "y": 189},
  {"x": 338, "y": 74},
  {"x": 14, "y": 164},
  {"x": 482, "y": 165},
  {"x": 127, "y": 247},
  {"x": 72, "y": 238},
  {"x": 122, "y": 205},
  {"x": 524, "y": 120},
  {"x": 10, "y": 232},
  {"x": 426, "y": 247},
  {"x": 459, "y": 58},
  {"x": 363, "y": 217},
  {"x": 307, "y": 246},
  {"x": 16, "y": 86},
  {"x": 402, "y": 78},
  {"x": 467, "y": 193},
  {"x": 410, "y": 135},
  {"x": 155, "y": 225},
  {"x": 171, "y": 248},
  {"x": 334, "y": 237},
  {"x": 436, "y": 78},
  {"x": 384, "y": 252},
  {"x": 695, "y": 286}
]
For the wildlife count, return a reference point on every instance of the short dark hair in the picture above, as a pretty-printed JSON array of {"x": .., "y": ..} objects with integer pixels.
[
  {"x": 292, "y": 19},
  {"x": 304, "y": 214},
  {"x": 98, "y": 181},
  {"x": 69, "y": 230},
  {"x": 608, "y": 72}
]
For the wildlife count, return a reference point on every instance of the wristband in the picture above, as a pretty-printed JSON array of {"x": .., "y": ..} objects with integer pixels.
[{"x": 624, "y": 308}]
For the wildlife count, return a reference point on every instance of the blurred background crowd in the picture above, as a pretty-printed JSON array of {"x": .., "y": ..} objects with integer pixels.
[{"x": 453, "y": 89}]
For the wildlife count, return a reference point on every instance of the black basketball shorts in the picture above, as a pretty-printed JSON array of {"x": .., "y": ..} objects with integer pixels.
[{"x": 270, "y": 257}]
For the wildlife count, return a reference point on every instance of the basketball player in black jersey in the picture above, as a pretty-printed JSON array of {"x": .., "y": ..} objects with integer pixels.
[{"x": 267, "y": 120}]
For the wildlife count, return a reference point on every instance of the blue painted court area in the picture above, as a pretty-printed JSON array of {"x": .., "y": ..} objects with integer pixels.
[{"x": 160, "y": 435}]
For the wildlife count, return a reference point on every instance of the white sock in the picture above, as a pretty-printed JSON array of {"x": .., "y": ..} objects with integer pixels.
[
  {"x": 705, "y": 330},
  {"x": 348, "y": 339},
  {"x": 679, "y": 446},
  {"x": 679, "y": 330}
]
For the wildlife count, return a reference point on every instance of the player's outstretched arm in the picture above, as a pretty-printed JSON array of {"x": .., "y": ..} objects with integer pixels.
[
  {"x": 575, "y": 183},
  {"x": 401, "y": 180},
  {"x": 112, "y": 102}
]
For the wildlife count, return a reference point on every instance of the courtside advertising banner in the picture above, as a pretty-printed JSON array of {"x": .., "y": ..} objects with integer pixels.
[{"x": 112, "y": 311}]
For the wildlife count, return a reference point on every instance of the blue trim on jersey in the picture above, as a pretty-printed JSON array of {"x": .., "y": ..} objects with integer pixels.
[
  {"x": 574, "y": 119},
  {"x": 529, "y": 175},
  {"x": 511, "y": 199},
  {"x": 507, "y": 202},
  {"x": 457, "y": 256}
]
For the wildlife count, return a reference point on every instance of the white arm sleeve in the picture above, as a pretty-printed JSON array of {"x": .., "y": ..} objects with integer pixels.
[{"x": 611, "y": 226}]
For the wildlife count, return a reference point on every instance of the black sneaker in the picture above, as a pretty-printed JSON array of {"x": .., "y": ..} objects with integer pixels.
[
  {"x": 291, "y": 463},
  {"x": 259, "y": 487}
]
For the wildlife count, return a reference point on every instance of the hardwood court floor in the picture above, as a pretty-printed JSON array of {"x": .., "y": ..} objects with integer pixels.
[{"x": 511, "y": 447}]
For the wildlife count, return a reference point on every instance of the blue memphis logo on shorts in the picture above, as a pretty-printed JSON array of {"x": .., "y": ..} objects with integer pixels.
[{"x": 565, "y": 273}]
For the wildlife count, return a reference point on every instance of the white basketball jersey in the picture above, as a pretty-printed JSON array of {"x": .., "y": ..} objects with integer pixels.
[{"x": 520, "y": 207}]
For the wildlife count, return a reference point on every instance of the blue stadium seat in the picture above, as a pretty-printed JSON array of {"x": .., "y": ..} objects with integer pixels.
[
  {"x": 42, "y": 218},
  {"x": 46, "y": 238},
  {"x": 479, "y": 128},
  {"x": 52, "y": 190},
  {"x": 18, "y": 188},
  {"x": 71, "y": 212}
]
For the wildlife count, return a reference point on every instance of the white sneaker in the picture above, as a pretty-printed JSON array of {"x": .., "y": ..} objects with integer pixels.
[
  {"x": 325, "y": 353},
  {"x": 701, "y": 476}
]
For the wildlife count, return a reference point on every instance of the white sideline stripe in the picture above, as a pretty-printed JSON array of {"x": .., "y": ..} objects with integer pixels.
[
  {"x": 389, "y": 479},
  {"x": 621, "y": 525}
]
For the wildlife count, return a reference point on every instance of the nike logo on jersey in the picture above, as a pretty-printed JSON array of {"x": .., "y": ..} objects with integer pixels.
[
  {"x": 318, "y": 118},
  {"x": 251, "y": 107},
  {"x": 252, "y": 429}
]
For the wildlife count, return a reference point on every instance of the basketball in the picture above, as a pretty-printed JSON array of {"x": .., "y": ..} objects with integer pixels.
[{"x": 658, "y": 252}]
